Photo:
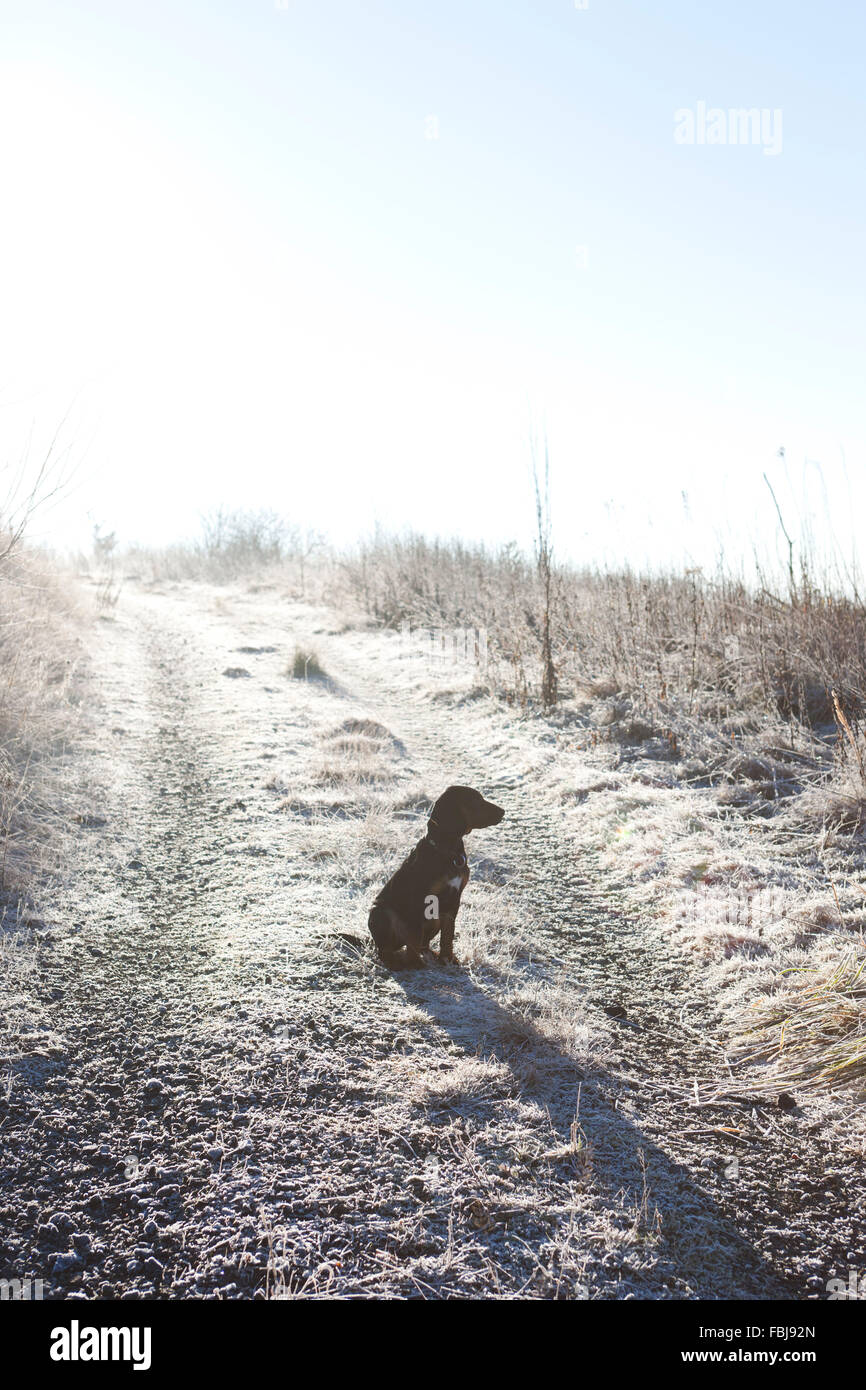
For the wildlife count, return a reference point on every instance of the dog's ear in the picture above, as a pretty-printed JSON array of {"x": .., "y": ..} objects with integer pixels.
[{"x": 448, "y": 813}]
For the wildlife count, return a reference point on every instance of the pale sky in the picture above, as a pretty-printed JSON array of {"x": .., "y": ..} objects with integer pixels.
[{"x": 334, "y": 258}]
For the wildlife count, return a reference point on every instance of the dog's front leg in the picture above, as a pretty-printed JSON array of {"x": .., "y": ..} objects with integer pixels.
[{"x": 446, "y": 937}]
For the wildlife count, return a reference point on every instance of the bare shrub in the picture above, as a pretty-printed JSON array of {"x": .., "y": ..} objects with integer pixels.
[
  {"x": 109, "y": 582},
  {"x": 235, "y": 542},
  {"x": 232, "y": 545},
  {"x": 544, "y": 561}
]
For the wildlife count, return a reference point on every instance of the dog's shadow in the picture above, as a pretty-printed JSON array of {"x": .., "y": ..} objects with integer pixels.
[{"x": 624, "y": 1158}]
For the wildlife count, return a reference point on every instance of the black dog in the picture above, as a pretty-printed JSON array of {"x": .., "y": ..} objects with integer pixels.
[{"x": 423, "y": 896}]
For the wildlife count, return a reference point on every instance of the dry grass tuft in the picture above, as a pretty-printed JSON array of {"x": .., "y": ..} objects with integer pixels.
[
  {"x": 813, "y": 1036},
  {"x": 465, "y": 1083},
  {"x": 305, "y": 665}
]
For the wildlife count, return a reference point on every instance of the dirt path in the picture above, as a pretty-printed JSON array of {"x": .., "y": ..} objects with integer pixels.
[{"x": 213, "y": 1091}]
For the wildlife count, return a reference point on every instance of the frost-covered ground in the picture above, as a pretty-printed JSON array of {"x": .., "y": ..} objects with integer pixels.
[{"x": 214, "y": 1089}]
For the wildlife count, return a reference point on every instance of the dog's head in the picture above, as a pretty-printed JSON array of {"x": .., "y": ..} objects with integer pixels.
[{"x": 461, "y": 809}]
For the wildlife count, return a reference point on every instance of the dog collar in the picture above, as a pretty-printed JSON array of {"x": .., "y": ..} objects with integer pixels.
[{"x": 458, "y": 860}]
